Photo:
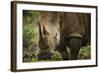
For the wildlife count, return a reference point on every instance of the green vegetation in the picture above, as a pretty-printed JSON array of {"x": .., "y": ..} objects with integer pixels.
[
  {"x": 30, "y": 28},
  {"x": 85, "y": 52},
  {"x": 30, "y": 35}
]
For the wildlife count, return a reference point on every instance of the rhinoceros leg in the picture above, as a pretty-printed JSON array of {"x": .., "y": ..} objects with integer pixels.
[
  {"x": 74, "y": 45},
  {"x": 62, "y": 49},
  {"x": 63, "y": 52}
]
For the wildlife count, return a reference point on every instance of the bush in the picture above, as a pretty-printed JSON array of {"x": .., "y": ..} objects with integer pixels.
[
  {"x": 85, "y": 52},
  {"x": 27, "y": 36}
]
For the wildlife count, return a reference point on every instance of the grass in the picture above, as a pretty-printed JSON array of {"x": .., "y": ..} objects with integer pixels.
[{"x": 85, "y": 53}]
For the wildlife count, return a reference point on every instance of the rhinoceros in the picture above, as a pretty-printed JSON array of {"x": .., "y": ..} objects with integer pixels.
[{"x": 59, "y": 31}]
